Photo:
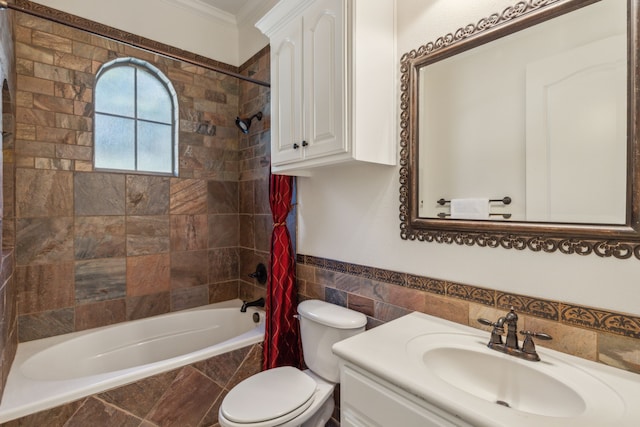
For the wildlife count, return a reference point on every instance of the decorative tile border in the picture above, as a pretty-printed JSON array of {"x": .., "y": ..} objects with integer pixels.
[
  {"x": 536, "y": 307},
  {"x": 471, "y": 293},
  {"x": 570, "y": 314},
  {"x": 616, "y": 323},
  {"x": 433, "y": 286}
]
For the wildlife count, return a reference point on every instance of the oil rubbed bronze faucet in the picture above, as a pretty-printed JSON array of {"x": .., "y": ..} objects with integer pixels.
[
  {"x": 257, "y": 303},
  {"x": 511, "y": 346}
]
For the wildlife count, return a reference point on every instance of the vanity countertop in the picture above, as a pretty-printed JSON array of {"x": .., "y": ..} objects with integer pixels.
[{"x": 605, "y": 395}]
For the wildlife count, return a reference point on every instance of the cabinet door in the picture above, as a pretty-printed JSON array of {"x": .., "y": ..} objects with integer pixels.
[
  {"x": 324, "y": 78},
  {"x": 365, "y": 402},
  {"x": 286, "y": 91}
]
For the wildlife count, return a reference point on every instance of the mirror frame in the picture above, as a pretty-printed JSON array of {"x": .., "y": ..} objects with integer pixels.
[{"x": 619, "y": 241}]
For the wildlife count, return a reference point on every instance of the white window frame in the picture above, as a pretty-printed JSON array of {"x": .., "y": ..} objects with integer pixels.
[{"x": 154, "y": 71}]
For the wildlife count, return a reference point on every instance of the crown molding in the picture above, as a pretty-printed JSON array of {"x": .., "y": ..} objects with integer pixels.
[
  {"x": 281, "y": 13},
  {"x": 202, "y": 7},
  {"x": 249, "y": 14}
]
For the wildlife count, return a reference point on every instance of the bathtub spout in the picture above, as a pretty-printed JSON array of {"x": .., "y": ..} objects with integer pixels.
[{"x": 257, "y": 303}]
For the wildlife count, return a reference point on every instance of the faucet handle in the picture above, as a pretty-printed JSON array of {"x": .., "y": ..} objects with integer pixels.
[
  {"x": 497, "y": 326},
  {"x": 496, "y": 333},
  {"x": 540, "y": 335},
  {"x": 486, "y": 322},
  {"x": 528, "y": 347}
]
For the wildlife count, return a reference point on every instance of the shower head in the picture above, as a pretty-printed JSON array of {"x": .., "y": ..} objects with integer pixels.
[{"x": 245, "y": 124}]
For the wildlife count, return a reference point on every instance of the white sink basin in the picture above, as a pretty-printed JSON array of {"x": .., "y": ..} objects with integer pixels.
[
  {"x": 550, "y": 388},
  {"x": 450, "y": 367}
]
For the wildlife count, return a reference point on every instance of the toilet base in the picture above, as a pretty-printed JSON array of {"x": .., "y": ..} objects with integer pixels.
[{"x": 320, "y": 418}]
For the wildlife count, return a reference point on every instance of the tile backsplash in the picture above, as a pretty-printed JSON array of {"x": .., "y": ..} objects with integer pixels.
[{"x": 383, "y": 295}]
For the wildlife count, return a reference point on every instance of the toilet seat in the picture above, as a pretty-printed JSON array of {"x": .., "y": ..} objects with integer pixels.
[{"x": 269, "y": 398}]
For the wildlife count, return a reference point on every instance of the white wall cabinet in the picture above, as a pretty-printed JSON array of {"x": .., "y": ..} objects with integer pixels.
[
  {"x": 368, "y": 401},
  {"x": 333, "y": 84}
]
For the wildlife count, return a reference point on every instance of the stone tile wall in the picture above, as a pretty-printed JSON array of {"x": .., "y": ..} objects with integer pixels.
[
  {"x": 8, "y": 316},
  {"x": 8, "y": 324},
  {"x": 256, "y": 222},
  {"x": 188, "y": 396},
  {"x": 96, "y": 248}
]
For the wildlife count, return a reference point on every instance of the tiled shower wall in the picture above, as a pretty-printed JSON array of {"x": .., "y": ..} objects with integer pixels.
[
  {"x": 254, "y": 150},
  {"x": 8, "y": 330},
  {"x": 94, "y": 248}
]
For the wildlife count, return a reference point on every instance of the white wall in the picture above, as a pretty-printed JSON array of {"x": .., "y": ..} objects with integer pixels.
[
  {"x": 350, "y": 213},
  {"x": 172, "y": 23},
  {"x": 251, "y": 40}
]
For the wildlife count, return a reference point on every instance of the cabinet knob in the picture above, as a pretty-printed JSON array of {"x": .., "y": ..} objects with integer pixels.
[{"x": 296, "y": 146}]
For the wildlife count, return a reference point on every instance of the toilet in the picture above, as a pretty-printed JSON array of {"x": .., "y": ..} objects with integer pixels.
[{"x": 287, "y": 396}]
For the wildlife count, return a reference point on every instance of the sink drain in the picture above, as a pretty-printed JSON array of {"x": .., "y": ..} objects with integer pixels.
[{"x": 503, "y": 403}]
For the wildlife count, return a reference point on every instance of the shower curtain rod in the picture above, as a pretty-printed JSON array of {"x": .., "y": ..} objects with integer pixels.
[{"x": 93, "y": 27}]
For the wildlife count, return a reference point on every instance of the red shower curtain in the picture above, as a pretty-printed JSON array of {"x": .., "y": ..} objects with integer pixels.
[{"x": 281, "y": 341}]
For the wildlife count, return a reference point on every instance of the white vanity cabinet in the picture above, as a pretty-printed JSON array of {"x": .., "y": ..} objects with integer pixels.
[
  {"x": 368, "y": 401},
  {"x": 423, "y": 371},
  {"x": 333, "y": 83}
]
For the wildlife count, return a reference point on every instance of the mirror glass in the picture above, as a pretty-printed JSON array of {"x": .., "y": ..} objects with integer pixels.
[
  {"x": 520, "y": 131},
  {"x": 538, "y": 116}
]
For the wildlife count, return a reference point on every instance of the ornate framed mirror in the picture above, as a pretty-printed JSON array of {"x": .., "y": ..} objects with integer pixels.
[{"x": 530, "y": 114}]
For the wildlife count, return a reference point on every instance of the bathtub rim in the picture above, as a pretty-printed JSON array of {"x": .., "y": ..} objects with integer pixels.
[{"x": 18, "y": 396}]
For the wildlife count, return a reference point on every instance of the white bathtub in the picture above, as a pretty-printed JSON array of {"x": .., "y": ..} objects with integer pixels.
[{"x": 52, "y": 371}]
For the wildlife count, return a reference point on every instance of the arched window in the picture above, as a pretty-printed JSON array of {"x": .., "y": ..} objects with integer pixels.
[{"x": 136, "y": 116}]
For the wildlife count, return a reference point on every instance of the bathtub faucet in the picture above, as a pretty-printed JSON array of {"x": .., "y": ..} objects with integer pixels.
[{"x": 257, "y": 303}]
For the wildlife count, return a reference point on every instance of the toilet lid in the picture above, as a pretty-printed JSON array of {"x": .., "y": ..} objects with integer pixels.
[{"x": 268, "y": 395}]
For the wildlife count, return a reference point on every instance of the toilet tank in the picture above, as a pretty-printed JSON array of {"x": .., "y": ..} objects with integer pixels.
[{"x": 321, "y": 325}]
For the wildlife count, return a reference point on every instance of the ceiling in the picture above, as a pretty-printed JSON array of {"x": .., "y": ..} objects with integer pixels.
[
  {"x": 232, "y": 7},
  {"x": 233, "y": 11}
]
